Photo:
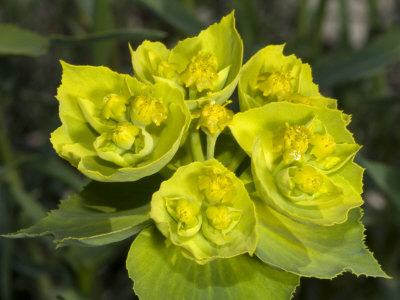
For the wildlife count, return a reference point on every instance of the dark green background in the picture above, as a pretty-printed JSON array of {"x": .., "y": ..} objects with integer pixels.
[{"x": 352, "y": 46}]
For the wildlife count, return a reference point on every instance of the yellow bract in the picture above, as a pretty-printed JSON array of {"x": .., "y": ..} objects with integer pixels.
[
  {"x": 274, "y": 84},
  {"x": 308, "y": 179},
  {"x": 114, "y": 107},
  {"x": 214, "y": 117},
  {"x": 293, "y": 141},
  {"x": 124, "y": 135},
  {"x": 201, "y": 72},
  {"x": 146, "y": 109}
]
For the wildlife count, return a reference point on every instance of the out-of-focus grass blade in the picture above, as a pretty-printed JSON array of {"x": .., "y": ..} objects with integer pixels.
[
  {"x": 382, "y": 52},
  {"x": 386, "y": 177},
  {"x": 120, "y": 34},
  {"x": 59, "y": 170},
  {"x": 174, "y": 13},
  {"x": 18, "y": 41}
]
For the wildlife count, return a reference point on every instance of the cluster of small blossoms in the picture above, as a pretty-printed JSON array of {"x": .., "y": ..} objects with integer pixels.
[
  {"x": 280, "y": 197},
  {"x": 208, "y": 219},
  {"x": 128, "y": 141}
]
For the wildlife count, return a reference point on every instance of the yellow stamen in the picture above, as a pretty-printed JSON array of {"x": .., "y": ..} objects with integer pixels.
[
  {"x": 293, "y": 141},
  {"x": 276, "y": 84},
  {"x": 146, "y": 109},
  {"x": 215, "y": 117},
  {"x": 217, "y": 187},
  {"x": 201, "y": 72}
]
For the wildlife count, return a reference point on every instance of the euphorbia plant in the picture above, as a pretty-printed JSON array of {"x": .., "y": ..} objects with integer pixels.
[{"x": 212, "y": 224}]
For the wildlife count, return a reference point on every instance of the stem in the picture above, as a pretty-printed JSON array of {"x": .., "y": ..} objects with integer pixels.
[
  {"x": 318, "y": 20},
  {"x": 195, "y": 144},
  {"x": 211, "y": 140},
  {"x": 302, "y": 20},
  {"x": 27, "y": 203},
  {"x": 237, "y": 159}
]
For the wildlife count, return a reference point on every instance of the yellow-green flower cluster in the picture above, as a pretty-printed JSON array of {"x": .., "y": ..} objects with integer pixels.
[
  {"x": 292, "y": 196},
  {"x": 210, "y": 215}
]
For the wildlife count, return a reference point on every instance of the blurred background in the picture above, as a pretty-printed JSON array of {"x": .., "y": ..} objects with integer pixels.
[{"x": 353, "y": 47}]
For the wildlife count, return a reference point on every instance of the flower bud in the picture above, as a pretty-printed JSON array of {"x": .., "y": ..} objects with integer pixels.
[{"x": 124, "y": 135}]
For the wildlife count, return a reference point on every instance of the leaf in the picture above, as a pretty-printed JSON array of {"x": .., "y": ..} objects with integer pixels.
[
  {"x": 102, "y": 213},
  {"x": 17, "y": 41},
  {"x": 119, "y": 34},
  {"x": 174, "y": 13},
  {"x": 159, "y": 271},
  {"x": 369, "y": 60},
  {"x": 386, "y": 177},
  {"x": 318, "y": 251}
]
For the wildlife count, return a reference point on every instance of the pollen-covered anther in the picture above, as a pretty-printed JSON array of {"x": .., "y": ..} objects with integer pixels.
[
  {"x": 217, "y": 187},
  {"x": 201, "y": 72},
  {"x": 322, "y": 145},
  {"x": 114, "y": 107},
  {"x": 274, "y": 84},
  {"x": 293, "y": 142},
  {"x": 308, "y": 179},
  {"x": 146, "y": 109},
  {"x": 124, "y": 135},
  {"x": 215, "y": 117}
]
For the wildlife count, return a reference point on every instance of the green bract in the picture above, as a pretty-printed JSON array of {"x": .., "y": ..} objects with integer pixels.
[
  {"x": 115, "y": 128},
  {"x": 270, "y": 76},
  {"x": 205, "y": 209},
  {"x": 298, "y": 153},
  {"x": 201, "y": 67}
]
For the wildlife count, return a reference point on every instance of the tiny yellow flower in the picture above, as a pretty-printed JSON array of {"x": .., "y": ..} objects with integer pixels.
[
  {"x": 114, "y": 107},
  {"x": 146, "y": 109},
  {"x": 308, "y": 179},
  {"x": 214, "y": 117},
  {"x": 322, "y": 145},
  {"x": 216, "y": 186},
  {"x": 293, "y": 141},
  {"x": 276, "y": 85},
  {"x": 201, "y": 72},
  {"x": 124, "y": 135}
]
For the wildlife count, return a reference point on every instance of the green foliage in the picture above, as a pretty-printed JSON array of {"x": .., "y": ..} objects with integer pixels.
[
  {"x": 17, "y": 41},
  {"x": 90, "y": 219},
  {"x": 241, "y": 277}
]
